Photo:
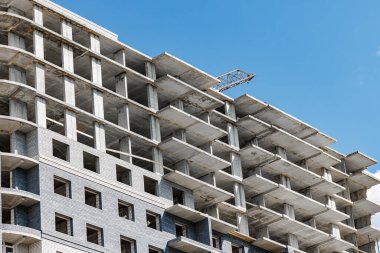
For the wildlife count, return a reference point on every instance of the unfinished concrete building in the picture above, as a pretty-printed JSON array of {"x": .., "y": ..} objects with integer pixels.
[{"x": 106, "y": 149}]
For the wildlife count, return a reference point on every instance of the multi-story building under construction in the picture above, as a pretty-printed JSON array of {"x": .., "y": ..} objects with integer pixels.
[{"x": 106, "y": 149}]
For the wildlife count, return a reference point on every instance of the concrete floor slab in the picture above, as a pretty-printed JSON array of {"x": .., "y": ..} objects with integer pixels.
[
  {"x": 269, "y": 245},
  {"x": 221, "y": 226},
  {"x": 173, "y": 88},
  {"x": 364, "y": 207},
  {"x": 358, "y": 161},
  {"x": 253, "y": 156},
  {"x": 364, "y": 233},
  {"x": 14, "y": 197},
  {"x": 186, "y": 213},
  {"x": 10, "y": 161},
  {"x": 180, "y": 150},
  {"x": 362, "y": 180},
  {"x": 197, "y": 131},
  {"x": 185, "y": 244},
  {"x": 9, "y": 124}
]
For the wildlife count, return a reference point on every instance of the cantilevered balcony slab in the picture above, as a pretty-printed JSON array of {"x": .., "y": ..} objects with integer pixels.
[
  {"x": 279, "y": 194},
  {"x": 341, "y": 201},
  {"x": 168, "y": 64},
  {"x": 369, "y": 231},
  {"x": 197, "y": 130},
  {"x": 362, "y": 180},
  {"x": 204, "y": 194},
  {"x": 335, "y": 245},
  {"x": 9, "y": 124},
  {"x": 16, "y": 90},
  {"x": 228, "y": 212},
  {"x": 198, "y": 159},
  {"x": 345, "y": 229},
  {"x": 256, "y": 184},
  {"x": 250, "y": 127},
  {"x": 173, "y": 88},
  {"x": 14, "y": 197},
  {"x": 364, "y": 207},
  {"x": 253, "y": 156},
  {"x": 358, "y": 161},
  {"x": 326, "y": 187},
  {"x": 184, "y": 244},
  {"x": 331, "y": 216},
  {"x": 186, "y": 213},
  {"x": 247, "y": 104},
  {"x": 10, "y": 161},
  {"x": 13, "y": 233},
  {"x": 221, "y": 226},
  {"x": 307, "y": 236},
  {"x": 269, "y": 245},
  {"x": 262, "y": 216}
]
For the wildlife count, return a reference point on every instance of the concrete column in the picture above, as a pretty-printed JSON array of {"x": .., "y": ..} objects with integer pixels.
[
  {"x": 178, "y": 104},
  {"x": 122, "y": 85},
  {"x": 213, "y": 211},
  {"x": 39, "y": 79},
  {"x": 119, "y": 57},
  {"x": 230, "y": 110},
  {"x": 37, "y": 14},
  {"x": 40, "y": 108},
  {"x": 292, "y": 239},
  {"x": 209, "y": 178},
  {"x": 155, "y": 132},
  {"x": 285, "y": 181},
  {"x": 180, "y": 134},
  {"x": 126, "y": 147},
  {"x": 233, "y": 138},
  {"x": 69, "y": 84},
  {"x": 38, "y": 44},
  {"x": 281, "y": 152},
  {"x": 18, "y": 109},
  {"x": 183, "y": 166},
  {"x": 99, "y": 137},
  {"x": 17, "y": 74},
  {"x": 335, "y": 231},
  {"x": 263, "y": 232},
  {"x": 14, "y": 40}
]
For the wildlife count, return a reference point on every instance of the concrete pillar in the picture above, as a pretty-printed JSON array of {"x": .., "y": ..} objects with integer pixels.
[
  {"x": 66, "y": 29},
  {"x": 18, "y": 143},
  {"x": 281, "y": 152},
  {"x": 97, "y": 104},
  {"x": 39, "y": 78},
  {"x": 155, "y": 132},
  {"x": 209, "y": 178},
  {"x": 14, "y": 40},
  {"x": 335, "y": 231},
  {"x": 122, "y": 85},
  {"x": 18, "y": 109},
  {"x": 126, "y": 147},
  {"x": 233, "y": 138},
  {"x": 178, "y": 104},
  {"x": 123, "y": 116},
  {"x": 40, "y": 108},
  {"x": 180, "y": 134},
  {"x": 289, "y": 211},
  {"x": 236, "y": 169},
  {"x": 17, "y": 74},
  {"x": 330, "y": 202},
  {"x": 263, "y": 232},
  {"x": 70, "y": 124},
  {"x": 285, "y": 181},
  {"x": 213, "y": 211},
  {"x": 99, "y": 137},
  {"x": 230, "y": 110},
  {"x": 119, "y": 57},
  {"x": 293, "y": 241},
  {"x": 182, "y": 166}
]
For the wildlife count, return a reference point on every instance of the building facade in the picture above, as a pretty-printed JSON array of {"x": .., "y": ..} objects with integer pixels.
[{"x": 106, "y": 149}]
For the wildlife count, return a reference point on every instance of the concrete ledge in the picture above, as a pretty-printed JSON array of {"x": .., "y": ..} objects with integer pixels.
[
  {"x": 364, "y": 207},
  {"x": 362, "y": 180},
  {"x": 177, "y": 89},
  {"x": 12, "y": 233},
  {"x": 188, "y": 245},
  {"x": 269, "y": 245},
  {"x": 369, "y": 231},
  {"x": 11, "y": 124},
  {"x": 13, "y": 197},
  {"x": 358, "y": 161},
  {"x": 186, "y": 213},
  {"x": 222, "y": 226},
  {"x": 10, "y": 161}
]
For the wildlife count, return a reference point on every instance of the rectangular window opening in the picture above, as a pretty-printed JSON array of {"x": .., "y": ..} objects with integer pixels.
[
  {"x": 123, "y": 175},
  {"x": 90, "y": 162},
  {"x": 180, "y": 229},
  {"x": 154, "y": 250},
  {"x": 237, "y": 248},
  {"x": 63, "y": 224},
  {"x": 127, "y": 245},
  {"x": 61, "y": 150},
  {"x": 153, "y": 220},
  {"x": 150, "y": 186},
  {"x": 62, "y": 187},
  {"x": 92, "y": 198},
  {"x": 94, "y": 234},
  {"x": 178, "y": 196},
  {"x": 126, "y": 210}
]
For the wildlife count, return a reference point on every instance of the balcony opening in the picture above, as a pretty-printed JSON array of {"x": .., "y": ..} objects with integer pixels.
[
  {"x": 125, "y": 210},
  {"x": 92, "y": 198},
  {"x": 180, "y": 229},
  {"x": 62, "y": 187},
  {"x": 94, "y": 234},
  {"x": 90, "y": 162},
  {"x": 154, "y": 250},
  {"x": 123, "y": 175},
  {"x": 178, "y": 196},
  {"x": 8, "y": 216},
  {"x": 6, "y": 179},
  {"x": 150, "y": 186},
  {"x": 127, "y": 245},
  {"x": 216, "y": 242},
  {"x": 63, "y": 224},
  {"x": 235, "y": 248},
  {"x": 153, "y": 220}
]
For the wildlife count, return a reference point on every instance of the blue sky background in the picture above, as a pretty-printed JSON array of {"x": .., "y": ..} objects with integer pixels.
[{"x": 317, "y": 60}]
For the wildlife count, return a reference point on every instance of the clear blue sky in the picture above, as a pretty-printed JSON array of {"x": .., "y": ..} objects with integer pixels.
[{"x": 317, "y": 60}]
